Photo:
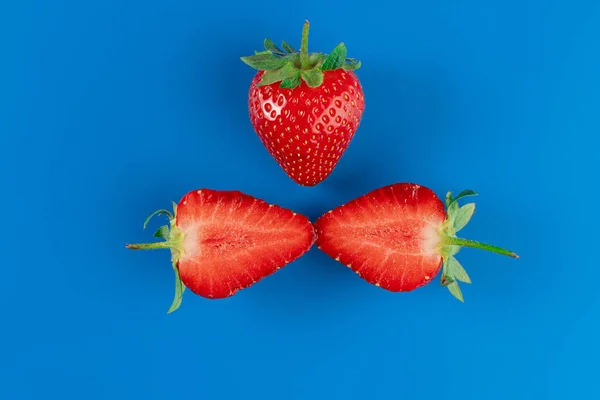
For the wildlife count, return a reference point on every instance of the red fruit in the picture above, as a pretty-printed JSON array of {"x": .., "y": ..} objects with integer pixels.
[
  {"x": 399, "y": 236},
  {"x": 304, "y": 107},
  {"x": 224, "y": 241}
]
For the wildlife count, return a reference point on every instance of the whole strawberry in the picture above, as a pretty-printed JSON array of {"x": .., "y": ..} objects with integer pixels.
[
  {"x": 399, "y": 237},
  {"x": 305, "y": 107}
]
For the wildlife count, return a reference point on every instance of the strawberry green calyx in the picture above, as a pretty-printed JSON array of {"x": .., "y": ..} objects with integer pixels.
[
  {"x": 457, "y": 218},
  {"x": 173, "y": 240},
  {"x": 290, "y": 67}
]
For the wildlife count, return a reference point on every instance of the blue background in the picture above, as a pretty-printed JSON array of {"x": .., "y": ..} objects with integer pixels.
[{"x": 111, "y": 109}]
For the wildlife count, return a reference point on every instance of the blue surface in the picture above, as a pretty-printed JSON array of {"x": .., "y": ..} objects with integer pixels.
[{"x": 111, "y": 109}]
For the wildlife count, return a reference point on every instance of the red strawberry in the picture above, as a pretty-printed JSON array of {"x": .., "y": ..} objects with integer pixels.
[
  {"x": 305, "y": 107},
  {"x": 399, "y": 236},
  {"x": 224, "y": 241}
]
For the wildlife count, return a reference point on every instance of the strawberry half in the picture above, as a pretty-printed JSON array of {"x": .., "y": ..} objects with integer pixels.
[
  {"x": 399, "y": 236},
  {"x": 224, "y": 241},
  {"x": 305, "y": 108}
]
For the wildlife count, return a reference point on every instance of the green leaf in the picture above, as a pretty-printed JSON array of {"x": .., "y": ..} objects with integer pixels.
[
  {"x": 291, "y": 82},
  {"x": 277, "y": 75},
  {"x": 448, "y": 199},
  {"x": 256, "y": 52},
  {"x": 457, "y": 270},
  {"x": 289, "y": 49},
  {"x": 336, "y": 59},
  {"x": 272, "y": 47},
  {"x": 465, "y": 193},
  {"x": 462, "y": 194},
  {"x": 455, "y": 290},
  {"x": 463, "y": 216},
  {"x": 157, "y": 212},
  {"x": 452, "y": 210},
  {"x": 452, "y": 250},
  {"x": 312, "y": 77},
  {"x": 353, "y": 66},
  {"x": 179, "y": 289},
  {"x": 264, "y": 62},
  {"x": 314, "y": 59},
  {"x": 446, "y": 279},
  {"x": 162, "y": 232}
]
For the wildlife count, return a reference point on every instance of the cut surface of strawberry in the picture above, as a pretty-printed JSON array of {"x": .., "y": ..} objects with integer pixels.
[
  {"x": 225, "y": 241},
  {"x": 400, "y": 236}
]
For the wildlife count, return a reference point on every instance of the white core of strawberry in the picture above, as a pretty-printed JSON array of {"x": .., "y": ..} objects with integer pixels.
[
  {"x": 431, "y": 240},
  {"x": 191, "y": 247}
]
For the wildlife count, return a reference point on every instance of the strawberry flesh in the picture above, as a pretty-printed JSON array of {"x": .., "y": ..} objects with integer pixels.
[
  {"x": 232, "y": 240},
  {"x": 389, "y": 236}
]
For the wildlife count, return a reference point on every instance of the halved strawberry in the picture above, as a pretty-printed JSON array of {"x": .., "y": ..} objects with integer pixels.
[
  {"x": 399, "y": 236},
  {"x": 224, "y": 241}
]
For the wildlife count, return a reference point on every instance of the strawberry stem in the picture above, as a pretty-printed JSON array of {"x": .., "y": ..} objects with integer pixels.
[
  {"x": 149, "y": 246},
  {"x": 304, "y": 61},
  {"x": 478, "y": 245}
]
